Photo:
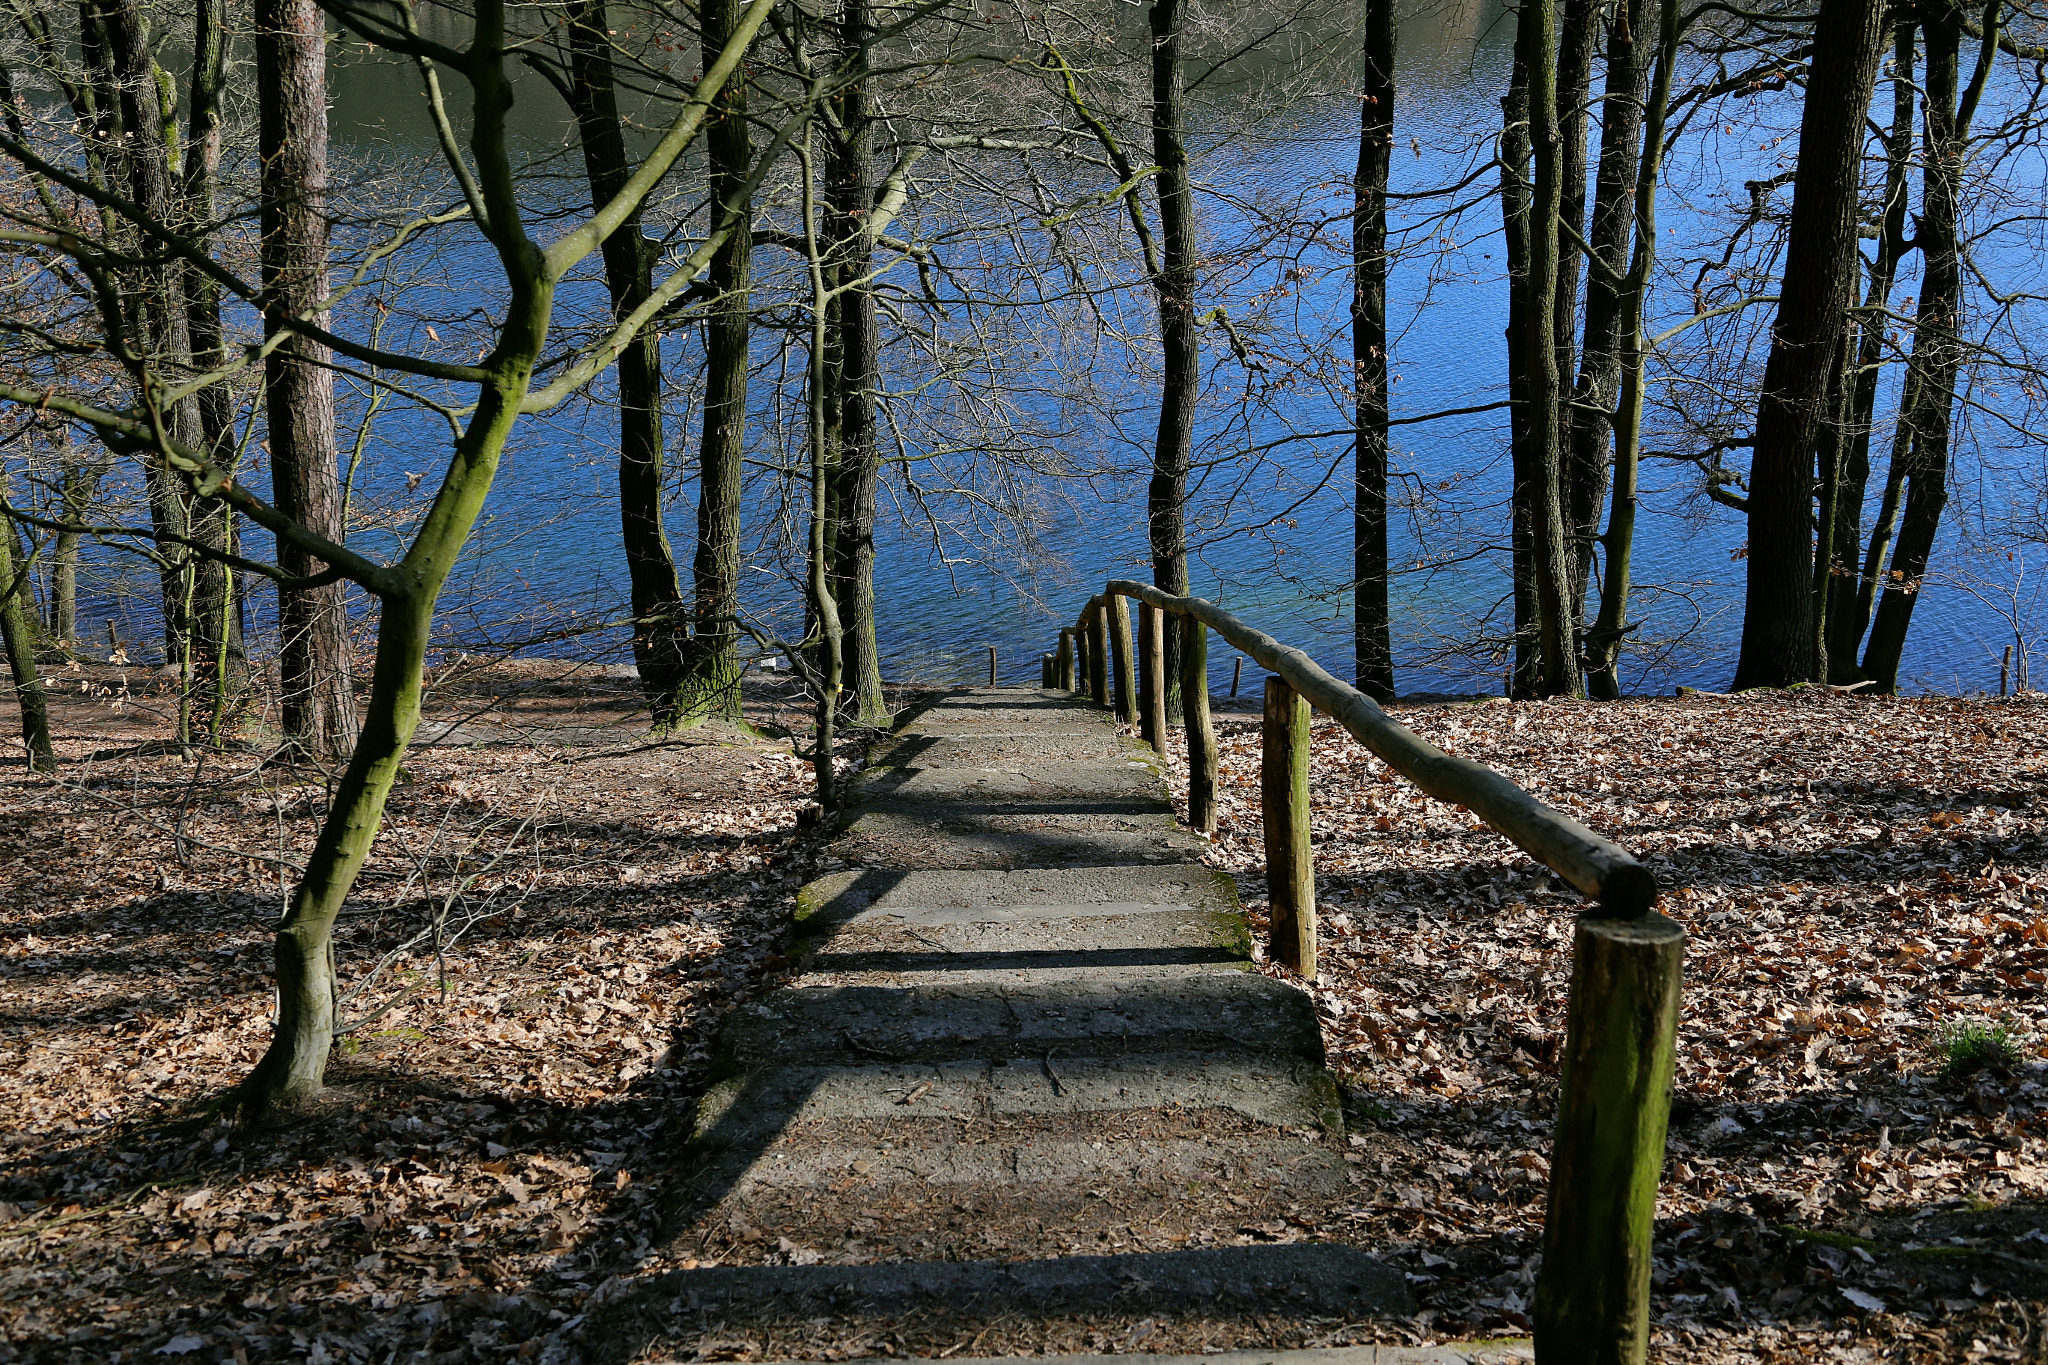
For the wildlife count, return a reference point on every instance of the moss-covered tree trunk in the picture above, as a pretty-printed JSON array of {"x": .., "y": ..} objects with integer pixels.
[
  {"x": 712, "y": 659},
  {"x": 17, "y": 635}
]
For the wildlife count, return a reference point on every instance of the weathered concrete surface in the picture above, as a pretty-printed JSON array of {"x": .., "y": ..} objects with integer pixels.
[
  {"x": 752, "y": 1110},
  {"x": 976, "y": 748},
  {"x": 1296, "y": 1279},
  {"x": 1025, "y": 1031},
  {"x": 1224, "y": 1014},
  {"x": 1108, "y": 783},
  {"x": 1042, "y": 834},
  {"x": 843, "y": 895},
  {"x": 948, "y": 928}
]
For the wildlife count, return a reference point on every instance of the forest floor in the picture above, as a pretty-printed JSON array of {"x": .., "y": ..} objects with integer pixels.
[{"x": 559, "y": 913}]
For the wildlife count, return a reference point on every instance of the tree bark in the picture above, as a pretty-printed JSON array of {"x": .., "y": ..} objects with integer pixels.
[
  {"x": 1850, "y": 595},
  {"x": 660, "y": 616},
  {"x": 1777, "y": 623},
  {"x": 1937, "y": 343},
  {"x": 1589, "y": 424},
  {"x": 221, "y": 673},
  {"x": 1556, "y": 642},
  {"x": 1173, "y": 451},
  {"x": 315, "y": 669},
  {"x": 713, "y": 656},
  {"x": 1514, "y": 213},
  {"x": 17, "y": 637},
  {"x": 1372, "y": 639},
  {"x": 1610, "y": 627},
  {"x": 156, "y": 335},
  {"x": 1578, "y": 33},
  {"x": 852, "y": 196}
]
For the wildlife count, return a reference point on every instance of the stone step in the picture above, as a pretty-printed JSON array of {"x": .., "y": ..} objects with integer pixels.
[
  {"x": 1068, "y": 1171},
  {"x": 1045, "y": 834},
  {"x": 882, "y": 929},
  {"x": 972, "y": 749},
  {"x": 763, "y": 1105},
  {"x": 1027, "y": 1186},
  {"x": 1006, "y": 710},
  {"x": 1226, "y": 1013},
  {"x": 1110, "y": 786},
  {"x": 957, "y": 896},
  {"x": 1297, "y": 1279}
]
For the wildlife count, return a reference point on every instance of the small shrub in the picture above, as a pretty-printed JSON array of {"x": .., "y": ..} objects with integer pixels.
[{"x": 1969, "y": 1046}]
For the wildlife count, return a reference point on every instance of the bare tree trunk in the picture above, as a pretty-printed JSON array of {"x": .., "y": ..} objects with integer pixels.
[
  {"x": 315, "y": 670},
  {"x": 220, "y": 676},
  {"x": 17, "y": 637},
  {"x": 1372, "y": 641},
  {"x": 78, "y": 481},
  {"x": 1514, "y": 213},
  {"x": 1831, "y": 455},
  {"x": 1589, "y": 425},
  {"x": 158, "y": 339},
  {"x": 1557, "y": 645},
  {"x": 852, "y": 196},
  {"x": 1173, "y": 451},
  {"x": 713, "y": 659},
  {"x": 1937, "y": 344},
  {"x": 1611, "y": 626},
  {"x": 1850, "y": 594},
  {"x": 660, "y": 618},
  {"x": 1777, "y": 623},
  {"x": 1578, "y": 33}
]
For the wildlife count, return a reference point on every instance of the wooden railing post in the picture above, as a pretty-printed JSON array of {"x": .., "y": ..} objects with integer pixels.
[
  {"x": 1194, "y": 707},
  {"x": 1065, "y": 667},
  {"x": 1120, "y": 651},
  {"x": 1152, "y": 676},
  {"x": 1098, "y": 651},
  {"x": 1080, "y": 683},
  {"x": 1283, "y": 791},
  {"x": 1045, "y": 666},
  {"x": 991, "y": 665},
  {"x": 1614, "y": 1099}
]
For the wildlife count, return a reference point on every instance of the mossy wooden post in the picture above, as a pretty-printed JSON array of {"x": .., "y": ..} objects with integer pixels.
[
  {"x": 1283, "y": 791},
  {"x": 1152, "y": 676},
  {"x": 1045, "y": 667},
  {"x": 1098, "y": 651},
  {"x": 1120, "y": 652},
  {"x": 1194, "y": 706},
  {"x": 991, "y": 665},
  {"x": 1063, "y": 676},
  {"x": 1614, "y": 1097}
]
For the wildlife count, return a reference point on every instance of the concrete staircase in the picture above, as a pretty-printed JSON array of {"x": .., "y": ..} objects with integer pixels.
[{"x": 1027, "y": 1065}]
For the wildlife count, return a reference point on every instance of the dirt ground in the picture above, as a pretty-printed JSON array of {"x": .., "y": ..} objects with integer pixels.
[{"x": 559, "y": 913}]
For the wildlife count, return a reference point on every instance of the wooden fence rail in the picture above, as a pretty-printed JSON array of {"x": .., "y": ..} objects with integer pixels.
[
  {"x": 1600, "y": 868},
  {"x": 1621, "y": 1017}
]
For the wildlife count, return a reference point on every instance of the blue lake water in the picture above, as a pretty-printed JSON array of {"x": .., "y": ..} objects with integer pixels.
[{"x": 548, "y": 551}]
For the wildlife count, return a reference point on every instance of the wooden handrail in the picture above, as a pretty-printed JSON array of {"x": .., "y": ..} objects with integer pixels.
[{"x": 1603, "y": 870}]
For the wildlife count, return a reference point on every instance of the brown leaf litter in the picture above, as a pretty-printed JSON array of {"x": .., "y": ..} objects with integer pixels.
[{"x": 558, "y": 914}]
